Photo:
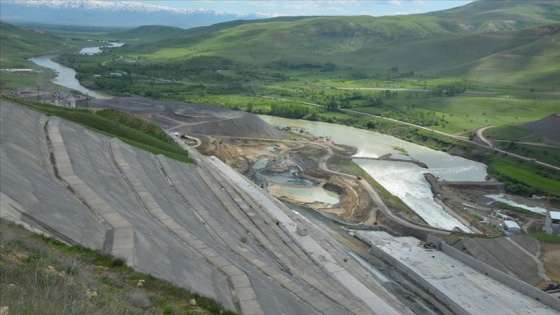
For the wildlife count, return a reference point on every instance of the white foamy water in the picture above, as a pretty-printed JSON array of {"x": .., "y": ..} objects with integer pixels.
[
  {"x": 403, "y": 179},
  {"x": 502, "y": 198},
  {"x": 406, "y": 181}
]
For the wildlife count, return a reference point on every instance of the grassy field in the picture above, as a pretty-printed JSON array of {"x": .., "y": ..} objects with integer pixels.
[
  {"x": 40, "y": 275},
  {"x": 549, "y": 155},
  {"x": 509, "y": 132},
  {"x": 528, "y": 175},
  {"x": 470, "y": 112}
]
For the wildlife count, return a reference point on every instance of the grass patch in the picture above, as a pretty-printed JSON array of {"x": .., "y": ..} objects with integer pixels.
[
  {"x": 543, "y": 237},
  {"x": 549, "y": 155},
  {"x": 527, "y": 176},
  {"x": 40, "y": 275},
  {"x": 505, "y": 206},
  {"x": 508, "y": 132}
]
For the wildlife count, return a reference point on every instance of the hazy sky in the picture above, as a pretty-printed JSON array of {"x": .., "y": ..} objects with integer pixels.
[{"x": 317, "y": 7}]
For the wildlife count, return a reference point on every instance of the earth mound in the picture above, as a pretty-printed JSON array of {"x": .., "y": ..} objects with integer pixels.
[
  {"x": 547, "y": 128},
  {"x": 192, "y": 118}
]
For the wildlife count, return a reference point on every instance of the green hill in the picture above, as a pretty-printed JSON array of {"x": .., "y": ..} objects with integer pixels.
[
  {"x": 18, "y": 44},
  {"x": 465, "y": 41},
  {"x": 149, "y": 33},
  {"x": 491, "y": 15}
]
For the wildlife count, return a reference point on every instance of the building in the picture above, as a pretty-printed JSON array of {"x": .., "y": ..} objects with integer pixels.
[
  {"x": 552, "y": 223},
  {"x": 512, "y": 226}
]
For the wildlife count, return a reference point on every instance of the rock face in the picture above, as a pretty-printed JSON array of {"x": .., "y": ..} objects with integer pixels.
[
  {"x": 547, "y": 128},
  {"x": 193, "y": 225},
  {"x": 194, "y": 118}
]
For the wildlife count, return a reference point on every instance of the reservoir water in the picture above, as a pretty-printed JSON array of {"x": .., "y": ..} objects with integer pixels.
[{"x": 405, "y": 180}]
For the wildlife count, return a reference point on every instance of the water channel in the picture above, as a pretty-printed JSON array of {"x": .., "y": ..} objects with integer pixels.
[{"x": 405, "y": 180}]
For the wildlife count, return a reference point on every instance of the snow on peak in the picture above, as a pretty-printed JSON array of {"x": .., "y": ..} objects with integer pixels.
[{"x": 109, "y": 6}]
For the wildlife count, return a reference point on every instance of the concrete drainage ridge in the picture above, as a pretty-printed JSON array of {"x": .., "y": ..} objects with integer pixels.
[
  {"x": 359, "y": 293},
  {"x": 245, "y": 297},
  {"x": 120, "y": 235},
  {"x": 291, "y": 258}
]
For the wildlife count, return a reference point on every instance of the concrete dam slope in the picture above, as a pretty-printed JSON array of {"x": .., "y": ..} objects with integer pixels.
[{"x": 202, "y": 227}]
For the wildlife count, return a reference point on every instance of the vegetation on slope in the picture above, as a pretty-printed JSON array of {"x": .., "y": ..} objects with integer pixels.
[
  {"x": 491, "y": 15},
  {"x": 127, "y": 127},
  {"x": 40, "y": 275},
  {"x": 19, "y": 44},
  {"x": 149, "y": 33}
]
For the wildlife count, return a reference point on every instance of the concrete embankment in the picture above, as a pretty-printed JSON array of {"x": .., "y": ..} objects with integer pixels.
[
  {"x": 490, "y": 186},
  {"x": 464, "y": 284},
  {"x": 199, "y": 226}
]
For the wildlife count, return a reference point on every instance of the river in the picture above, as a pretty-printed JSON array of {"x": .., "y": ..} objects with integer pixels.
[
  {"x": 66, "y": 77},
  {"x": 403, "y": 179}
]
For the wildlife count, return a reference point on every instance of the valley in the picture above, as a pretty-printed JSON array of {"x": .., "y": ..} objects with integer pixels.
[{"x": 270, "y": 164}]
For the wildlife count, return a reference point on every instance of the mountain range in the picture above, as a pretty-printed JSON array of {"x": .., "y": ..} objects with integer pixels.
[{"x": 113, "y": 14}]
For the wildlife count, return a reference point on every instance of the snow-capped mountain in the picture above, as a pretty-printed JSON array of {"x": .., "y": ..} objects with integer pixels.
[{"x": 109, "y": 13}]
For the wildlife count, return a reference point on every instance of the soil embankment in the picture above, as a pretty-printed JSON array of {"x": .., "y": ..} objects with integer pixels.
[
  {"x": 547, "y": 128},
  {"x": 192, "y": 119}
]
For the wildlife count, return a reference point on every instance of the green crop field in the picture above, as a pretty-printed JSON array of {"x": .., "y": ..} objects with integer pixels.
[{"x": 527, "y": 176}]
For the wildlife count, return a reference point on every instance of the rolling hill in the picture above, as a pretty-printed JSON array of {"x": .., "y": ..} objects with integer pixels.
[
  {"x": 502, "y": 15},
  {"x": 19, "y": 43},
  {"x": 518, "y": 38}
]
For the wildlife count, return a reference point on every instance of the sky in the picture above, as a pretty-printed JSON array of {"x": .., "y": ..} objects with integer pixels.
[{"x": 316, "y": 7}]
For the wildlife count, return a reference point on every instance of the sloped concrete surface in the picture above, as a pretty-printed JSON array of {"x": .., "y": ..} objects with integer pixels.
[
  {"x": 464, "y": 289},
  {"x": 198, "y": 226}
]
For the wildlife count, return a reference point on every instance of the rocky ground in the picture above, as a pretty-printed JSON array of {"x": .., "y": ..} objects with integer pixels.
[{"x": 193, "y": 119}]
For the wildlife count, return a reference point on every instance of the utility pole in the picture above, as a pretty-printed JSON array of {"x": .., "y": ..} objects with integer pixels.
[{"x": 37, "y": 93}]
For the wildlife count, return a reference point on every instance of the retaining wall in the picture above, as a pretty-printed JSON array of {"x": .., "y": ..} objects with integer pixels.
[{"x": 456, "y": 308}]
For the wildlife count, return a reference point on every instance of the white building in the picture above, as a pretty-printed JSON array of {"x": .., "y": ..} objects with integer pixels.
[
  {"x": 512, "y": 226},
  {"x": 552, "y": 223}
]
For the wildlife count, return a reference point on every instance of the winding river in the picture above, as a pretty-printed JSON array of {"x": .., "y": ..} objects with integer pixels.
[
  {"x": 66, "y": 77},
  {"x": 403, "y": 179}
]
